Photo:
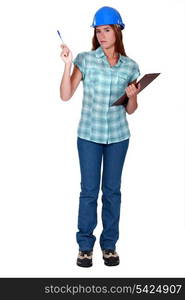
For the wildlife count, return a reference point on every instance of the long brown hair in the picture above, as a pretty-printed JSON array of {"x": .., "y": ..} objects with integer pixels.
[{"x": 119, "y": 47}]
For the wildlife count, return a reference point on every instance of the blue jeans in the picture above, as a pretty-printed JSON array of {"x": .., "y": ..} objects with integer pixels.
[{"x": 90, "y": 158}]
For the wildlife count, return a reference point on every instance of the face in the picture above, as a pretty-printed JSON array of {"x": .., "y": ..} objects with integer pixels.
[{"x": 106, "y": 36}]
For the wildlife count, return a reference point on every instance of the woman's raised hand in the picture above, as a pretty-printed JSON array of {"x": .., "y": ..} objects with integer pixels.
[{"x": 66, "y": 54}]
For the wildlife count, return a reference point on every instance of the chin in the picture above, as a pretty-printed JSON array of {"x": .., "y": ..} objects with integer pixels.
[{"x": 105, "y": 46}]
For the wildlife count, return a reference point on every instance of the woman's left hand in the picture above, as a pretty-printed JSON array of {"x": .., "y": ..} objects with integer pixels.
[{"x": 132, "y": 90}]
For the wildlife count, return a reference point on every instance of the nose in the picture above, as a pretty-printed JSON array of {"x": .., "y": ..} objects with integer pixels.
[{"x": 101, "y": 36}]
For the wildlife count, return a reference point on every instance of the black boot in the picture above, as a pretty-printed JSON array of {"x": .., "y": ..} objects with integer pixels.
[
  {"x": 84, "y": 258},
  {"x": 111, "y": 258}
]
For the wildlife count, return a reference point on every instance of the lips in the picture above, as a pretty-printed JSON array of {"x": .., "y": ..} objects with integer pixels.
[{"x": 102, "y": 41}]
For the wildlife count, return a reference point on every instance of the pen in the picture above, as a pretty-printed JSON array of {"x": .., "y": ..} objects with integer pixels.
[{"x": 60, "y": 36}]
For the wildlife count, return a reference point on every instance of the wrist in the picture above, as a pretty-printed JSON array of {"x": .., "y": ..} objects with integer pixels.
[
  {"x": 68, "y": 64},
  {"x": 68, "y": 67},
  {"x": 133, "y": 98}
]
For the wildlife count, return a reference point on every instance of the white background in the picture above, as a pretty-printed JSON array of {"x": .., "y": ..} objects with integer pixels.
[{"x": 39, "y": 167}]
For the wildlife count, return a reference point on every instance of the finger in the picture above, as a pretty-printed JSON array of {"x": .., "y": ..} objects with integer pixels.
[
  {"x": 65, "y": 50},
  {"x": 132, "y": 88},
  {"x": 64, "y": 47},
  {"x": 66, "y": 53},
  {"x": 138, "y": 86}
]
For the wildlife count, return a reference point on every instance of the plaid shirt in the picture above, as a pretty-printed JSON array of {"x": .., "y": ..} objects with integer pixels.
[{"x": 103, "y": 85}]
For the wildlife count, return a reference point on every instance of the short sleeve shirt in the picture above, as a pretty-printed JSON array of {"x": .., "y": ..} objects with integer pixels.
[{"x": 102, "y": 86}]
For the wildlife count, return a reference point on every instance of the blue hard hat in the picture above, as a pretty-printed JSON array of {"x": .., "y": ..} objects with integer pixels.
[{"x": 107, "y": 15}]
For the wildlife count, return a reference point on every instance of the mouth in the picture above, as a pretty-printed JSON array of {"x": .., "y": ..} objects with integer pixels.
[{"x": 102, "y": 41}]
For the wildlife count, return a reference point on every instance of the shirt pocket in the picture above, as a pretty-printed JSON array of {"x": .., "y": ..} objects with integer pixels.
[
  {"x": 122, "y": 79},
  {"x": 92, "y": 75}
]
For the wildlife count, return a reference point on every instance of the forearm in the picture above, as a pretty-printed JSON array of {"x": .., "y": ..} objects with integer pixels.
[
  {"x": 65, "y": 86},
  {"x": 131, "y": 105}
]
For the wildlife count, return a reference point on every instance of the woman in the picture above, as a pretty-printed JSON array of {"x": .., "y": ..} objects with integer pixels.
[{"x": 103, "y": 132}]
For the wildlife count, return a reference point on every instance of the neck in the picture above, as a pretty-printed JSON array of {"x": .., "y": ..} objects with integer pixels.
[{"x": 110, "y": 53}]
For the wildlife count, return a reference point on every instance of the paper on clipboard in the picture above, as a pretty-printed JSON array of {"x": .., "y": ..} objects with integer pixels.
[{"x": 144, "y": 81}]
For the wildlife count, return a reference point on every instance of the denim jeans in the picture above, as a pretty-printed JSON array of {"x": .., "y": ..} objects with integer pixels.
[{"x": 90, "y": 158}]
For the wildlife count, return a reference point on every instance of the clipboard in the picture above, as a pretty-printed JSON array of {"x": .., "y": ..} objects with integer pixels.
[{"x": 144, "y": 81}]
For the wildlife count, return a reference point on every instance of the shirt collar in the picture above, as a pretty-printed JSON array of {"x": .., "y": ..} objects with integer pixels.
[{"x": 100, "y": 53}]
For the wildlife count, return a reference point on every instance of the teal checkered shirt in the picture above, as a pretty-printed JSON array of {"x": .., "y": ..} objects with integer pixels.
[{"x": 103, "y": 85}]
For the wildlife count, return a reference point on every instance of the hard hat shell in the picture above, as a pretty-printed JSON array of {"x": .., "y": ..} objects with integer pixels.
[{"x": 107, "y": 15}]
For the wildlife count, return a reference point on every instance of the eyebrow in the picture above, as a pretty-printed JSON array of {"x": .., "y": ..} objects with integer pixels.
[{"x": 103, "y": 28}]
